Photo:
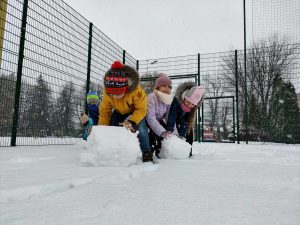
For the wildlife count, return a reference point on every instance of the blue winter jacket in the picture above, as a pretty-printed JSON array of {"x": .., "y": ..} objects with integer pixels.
[
  {"x": 93, "y": 112},
  {"x": 177, "y": 117}
]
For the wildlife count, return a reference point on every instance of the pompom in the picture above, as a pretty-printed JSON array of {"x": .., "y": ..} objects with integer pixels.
[{"x": 117, "y": 65}]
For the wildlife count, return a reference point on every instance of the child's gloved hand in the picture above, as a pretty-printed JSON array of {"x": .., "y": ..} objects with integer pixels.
[
  {"x": 166, "y": 134},
  {"x": 130, "y": 125}
]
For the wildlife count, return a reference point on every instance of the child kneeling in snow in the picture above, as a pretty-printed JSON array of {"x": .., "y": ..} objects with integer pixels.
[
  {"x": 92, "y": 116},
  {"x": 182, "y": 112},
  {"x": 124, "y": 98},
  {"x": 159, "y": 102}
]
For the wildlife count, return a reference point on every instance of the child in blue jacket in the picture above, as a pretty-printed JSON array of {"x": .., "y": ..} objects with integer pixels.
[{"x": 92, "y": 116}]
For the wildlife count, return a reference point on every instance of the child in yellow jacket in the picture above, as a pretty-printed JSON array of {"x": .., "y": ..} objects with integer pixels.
[{"x": 125, "y": 103}]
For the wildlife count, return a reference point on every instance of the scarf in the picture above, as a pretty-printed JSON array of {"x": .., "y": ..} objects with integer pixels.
[
  {"x": 184, "y": 107},
  {"x": 165, "y": 98}
]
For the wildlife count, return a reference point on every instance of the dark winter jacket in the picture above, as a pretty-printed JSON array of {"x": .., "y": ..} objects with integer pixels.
[
  {"x": 177, "y": 117},
  {"x": 184, "y": 121},
  {"x": 93, "y": 112}
]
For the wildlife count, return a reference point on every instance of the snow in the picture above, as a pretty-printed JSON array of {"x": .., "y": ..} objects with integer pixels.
[
  {"x": 222, "y": 184},
  {"x": 120, "y": 147},
  {"x": 175, "y": 148}
]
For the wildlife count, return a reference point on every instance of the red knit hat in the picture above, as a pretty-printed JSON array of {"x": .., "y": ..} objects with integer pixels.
[{"x": 115, "y": 81}]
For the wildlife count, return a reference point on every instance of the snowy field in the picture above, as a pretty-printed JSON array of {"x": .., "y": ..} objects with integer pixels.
[{"x": 224, "y": 184}]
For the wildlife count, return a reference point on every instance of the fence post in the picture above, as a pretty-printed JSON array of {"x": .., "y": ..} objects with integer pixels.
[
  {"x": 237, "y": 97},
  {"x": 124, "y": 55},
  {"x": 245, "y": 71},
  {"x": 137, "y": 65},
  {"x": 88, "y": 72},
  {"x": 233, "y": 119},
  {"x": 19, "y": 75},
  {"x": 198, "y": 111},
  {"x": 202, "y": 130}
]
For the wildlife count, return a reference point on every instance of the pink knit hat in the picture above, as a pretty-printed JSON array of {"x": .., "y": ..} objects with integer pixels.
[
  {"x": 162, "y": 79},
  {"x": 195, "y": 94}
]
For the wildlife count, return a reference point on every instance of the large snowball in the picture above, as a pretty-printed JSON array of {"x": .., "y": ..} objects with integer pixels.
[
  {"x": 175, "y": 148},
  {"x": 111, "y": 146}
]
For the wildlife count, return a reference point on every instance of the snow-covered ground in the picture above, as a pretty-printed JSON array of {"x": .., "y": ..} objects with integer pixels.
[{"x": 224, "y": 184}]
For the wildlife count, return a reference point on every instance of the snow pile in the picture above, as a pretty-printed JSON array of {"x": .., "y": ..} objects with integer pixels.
[
  {"x": 175, "y": 148},
  {"x": 111, "y": 146}
]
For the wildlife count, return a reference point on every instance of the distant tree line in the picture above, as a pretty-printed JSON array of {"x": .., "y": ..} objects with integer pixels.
[
  {"x": 42, "y": 112},
  {"x": 273, "y": 113}
]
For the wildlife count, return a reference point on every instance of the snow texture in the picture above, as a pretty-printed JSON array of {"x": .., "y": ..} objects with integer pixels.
[
  {"x": 111, "y": 146},
  {"x": 221, "y": 184},
  {"x": 175, "y": 148}
]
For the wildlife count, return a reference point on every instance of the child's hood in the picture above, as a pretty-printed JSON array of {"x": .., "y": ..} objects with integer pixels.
[
  {"x": 132, "y": 76},
  {"x": 182, "y": 88}
]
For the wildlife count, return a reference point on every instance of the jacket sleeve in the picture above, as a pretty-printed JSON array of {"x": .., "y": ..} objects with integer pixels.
[
  {"x": 105, "y": 111},
  {"x": 173, "y": 114},
  {"x": 154, "y": 124},
  {"x": 140, "y": 105}
]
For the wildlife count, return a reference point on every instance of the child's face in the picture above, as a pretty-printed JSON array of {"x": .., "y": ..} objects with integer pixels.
[
  {"x": 188, "y": 104},
  {"x": 92, "y": 101},
  {"x": 117, "y": 96},
  {"x": 165, "y": 89}
]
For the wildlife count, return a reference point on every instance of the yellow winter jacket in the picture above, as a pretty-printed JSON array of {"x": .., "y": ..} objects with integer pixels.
[{"x": 134, "y": 102}]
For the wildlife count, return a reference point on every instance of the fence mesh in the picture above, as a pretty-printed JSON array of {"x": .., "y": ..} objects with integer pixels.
[
  {"x": 64, "y": 55},
  {"x": 54, "y": 71},
  {"x": 276, "y": 17}
]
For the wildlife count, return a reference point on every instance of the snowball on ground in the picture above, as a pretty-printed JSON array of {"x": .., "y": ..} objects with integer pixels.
[
  {"x": 111, "y": 146},
  {"x": 175, "y": 148}
]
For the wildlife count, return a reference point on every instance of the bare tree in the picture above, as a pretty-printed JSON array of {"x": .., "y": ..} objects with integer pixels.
[
  {"x": 268, "y": 61},
  {"x": 149, "y": 81},
  {"x": 216, "y": 89}
]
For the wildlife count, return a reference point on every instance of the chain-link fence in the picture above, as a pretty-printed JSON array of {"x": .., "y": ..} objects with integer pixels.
[
  {"x": 261, "y": 106},
  {"x": 50, "y": 57}
]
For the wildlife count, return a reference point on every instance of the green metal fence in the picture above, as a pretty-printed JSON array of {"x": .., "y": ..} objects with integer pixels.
[
  {"x": 179, "y": 69},
  {"x": 270, "y": 88},
  {"x": 51, "y": 56}
]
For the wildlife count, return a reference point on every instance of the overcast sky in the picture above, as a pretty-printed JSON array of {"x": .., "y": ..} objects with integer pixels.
[{"x": 162, "y": 28}]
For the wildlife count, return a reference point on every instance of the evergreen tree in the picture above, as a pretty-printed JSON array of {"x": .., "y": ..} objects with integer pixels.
[
  {"x": 38, "y": 110},
  {"x": 7, "y": 96},
  {"x": 65, "y": 112},
  {"x": 285, "y": 118},
  {"x": 268, "y": 61}
]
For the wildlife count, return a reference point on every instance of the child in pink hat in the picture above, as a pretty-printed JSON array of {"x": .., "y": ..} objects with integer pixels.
[
  {"x": 182, "y": 111},
  {"x": 159, "y": 102}
]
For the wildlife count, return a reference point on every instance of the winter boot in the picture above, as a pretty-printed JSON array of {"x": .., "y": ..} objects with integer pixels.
[{"x": 147, "y": 157}]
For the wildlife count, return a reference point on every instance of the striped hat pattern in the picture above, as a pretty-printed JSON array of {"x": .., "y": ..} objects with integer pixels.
[{"x": 115, "y": 82}]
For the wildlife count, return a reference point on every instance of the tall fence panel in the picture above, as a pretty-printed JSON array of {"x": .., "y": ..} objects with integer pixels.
[
  {"x": 180, "y": 69},
  {"x": 272, "y": 84},
  {"x": 60, "y": 57},
  {"x": 217, "y": 74},
  {"x": 271, "y": 88},
  {"x": 50, "y": 56}
]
